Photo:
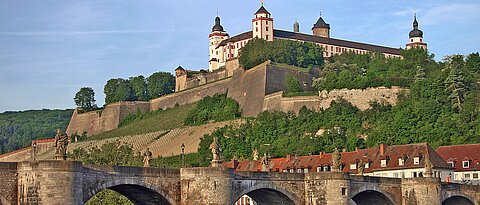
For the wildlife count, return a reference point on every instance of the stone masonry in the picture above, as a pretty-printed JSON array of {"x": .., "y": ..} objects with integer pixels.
[{"x": 68, "y": 182}]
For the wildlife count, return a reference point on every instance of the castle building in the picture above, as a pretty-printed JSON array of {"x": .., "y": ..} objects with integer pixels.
[{"x": 224, "y": 48}]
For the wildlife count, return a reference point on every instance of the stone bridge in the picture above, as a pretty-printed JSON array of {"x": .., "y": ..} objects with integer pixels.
[{"x": 67, "y": 182}]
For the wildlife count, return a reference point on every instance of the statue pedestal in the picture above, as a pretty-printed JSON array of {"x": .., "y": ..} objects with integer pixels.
[
  {"x": 60, "y": 157},
  {"x": 216, "y": 163}
]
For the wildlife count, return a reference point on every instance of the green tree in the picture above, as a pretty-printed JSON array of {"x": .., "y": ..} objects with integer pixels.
[
  {"x": 421, "y": 74},
  {"x": 85, "y": 98},
  {"x": 293, "y": 85},
  {"x": 455, "y": 82},
  {"x": 118, "y": 89},
  {"x": 139, "y": 86},
  {"x": 160, "y": 83},
  {"x": 217, "y": 108}
]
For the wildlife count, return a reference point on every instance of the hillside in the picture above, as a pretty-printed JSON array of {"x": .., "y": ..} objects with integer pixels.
[
  {"x": 142, "y": 123},
  {"x": 18, "y": 129}
]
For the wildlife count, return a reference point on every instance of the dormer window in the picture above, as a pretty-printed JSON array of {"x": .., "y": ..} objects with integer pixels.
[
  {"x": 401, "y": 162},
  {"x": 466, "y": 164},
  {"x": 367, "y": 165},
  {"x": 416, "y": 160},
  {"x": 452, "y": 164},
  {"x": 353, "y": 166},
  {"x": 383, "y": 162}
]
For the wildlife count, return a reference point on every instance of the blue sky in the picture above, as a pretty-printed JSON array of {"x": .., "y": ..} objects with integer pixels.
[{"x": 49, "y": 49}]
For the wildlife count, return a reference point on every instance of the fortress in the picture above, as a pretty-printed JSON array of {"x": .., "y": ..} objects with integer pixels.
[{"x": 257, "y": 89}]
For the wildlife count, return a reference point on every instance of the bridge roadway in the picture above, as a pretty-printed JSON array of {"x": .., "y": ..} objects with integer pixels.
[{"x": 69, "y": 182}]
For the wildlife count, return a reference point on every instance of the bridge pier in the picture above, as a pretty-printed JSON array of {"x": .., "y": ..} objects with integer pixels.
[
  {"x": 50, "y": 182},
  {"x": 210, "y": 185},
  {"x": 421, "y": 191}
]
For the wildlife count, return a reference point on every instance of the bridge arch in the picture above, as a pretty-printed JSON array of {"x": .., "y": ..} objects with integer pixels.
[
  {"x": 458, "y": 200},
  {"x": 265, "y": 194},
  {"x": 137, "y": 191},
  {"x": 371, "y": 196}
]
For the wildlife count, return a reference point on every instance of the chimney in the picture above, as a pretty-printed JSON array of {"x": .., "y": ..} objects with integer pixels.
[
  {"x": 382, "y": 149},
  {"x": 235, "y": 164}
]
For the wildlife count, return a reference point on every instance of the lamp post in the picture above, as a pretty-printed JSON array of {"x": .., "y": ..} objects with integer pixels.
[
  {"x": 183, "y": 155},
  {"x": 34, "y": 151}
]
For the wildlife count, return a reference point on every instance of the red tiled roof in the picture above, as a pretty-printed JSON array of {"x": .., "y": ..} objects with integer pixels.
[
  {"x": 372, "y": 155},
  {"x": 316, "y": 39},
  {"x": 460, "y": 153}
]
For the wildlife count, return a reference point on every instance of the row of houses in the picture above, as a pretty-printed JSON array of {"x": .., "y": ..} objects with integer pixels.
[{"x": 460, "y": 163}]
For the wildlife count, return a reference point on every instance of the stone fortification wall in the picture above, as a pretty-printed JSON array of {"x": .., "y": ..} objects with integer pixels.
[
  {"x": 25, "y": 153},
  {"x": 96, "y": 122},
  {"x": 190, "y": 95},
  {"x": 8, "y": 181},
  {"x": 359, "y": 98},
  {"x": 276, "y": 78},
  {"x": 204, "y": 78}
]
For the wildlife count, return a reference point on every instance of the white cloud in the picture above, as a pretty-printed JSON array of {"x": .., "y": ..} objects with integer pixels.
[{"x": 447, "y": 14}]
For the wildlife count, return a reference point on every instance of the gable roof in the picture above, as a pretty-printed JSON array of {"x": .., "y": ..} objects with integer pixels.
[
  {"x": 262, "y": 10},
  {"x": 460, "y": 153},
  {"x": 321, "y": 24}
]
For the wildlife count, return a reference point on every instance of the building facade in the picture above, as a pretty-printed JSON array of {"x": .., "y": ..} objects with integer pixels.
[
  {"x": 398, "y": 161},
  {"x": 223, "y": 48},
  {"x": 465, "y": 159}
]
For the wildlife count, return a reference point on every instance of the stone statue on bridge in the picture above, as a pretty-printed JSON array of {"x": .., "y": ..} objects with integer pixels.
[
  {"x": 255, "y": 154},
  {"x": 61, "y": 143},
  {"x": 428, "y": 167},
  {"x": 147, "y": 157},
  {"x": 361, "y": 168},
  {"x": 216, "y": 149},
  {"x": 336, "y": 161}
]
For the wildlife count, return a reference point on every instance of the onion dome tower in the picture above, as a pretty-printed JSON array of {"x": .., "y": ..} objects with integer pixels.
[
  {"x": 216, "y": 36},
  {"x": 416, "y": 36},
  {"x": 262, "y": 24},
  {"x": 321, "y": 28}
]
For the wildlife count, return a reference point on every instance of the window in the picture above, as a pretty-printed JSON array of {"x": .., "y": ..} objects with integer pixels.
[
  {"x": 319, "y": 169},
  {"x": 466, "y": 164},
  {"x": 353, "y": 166},
  {"x": 411, "y": 40},
  {"x": 421, "y": 40},
  {"x": 299, "y": 170},
  {"x": 467, "y": 176},
  {"x": 266, "y": 28},
  {"x": 452, "y": 164},
  {"x": 414, "y": 174},
  {"x": 267, "y": 37},
  {"x": 305, "y": 170},
  {"x": 344, "y": 191},
  {"x": 475, "y": 175},
  {"x": 395, "y": 175},
  {"x": 367, "y": 165},
  {"x": 292, "y": 171},
  {"x": 285, "y": 171},
  {"x": 383, "y": 162},
  {"x": 400, "y": 161},
  {"x": 416, "y": 160},
  {"x": 256, "y": 23},
  {"x": 256, "y": 29},
  {"x": 266, "y": 22}
]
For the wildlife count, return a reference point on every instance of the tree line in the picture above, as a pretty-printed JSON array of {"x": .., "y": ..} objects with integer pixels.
[
  {"x": 300, "y": 54},
  {"x": 136, "y": 88}
]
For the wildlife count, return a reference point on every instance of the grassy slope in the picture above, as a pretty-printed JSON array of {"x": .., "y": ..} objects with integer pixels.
[{"x": 158, "y": 121}]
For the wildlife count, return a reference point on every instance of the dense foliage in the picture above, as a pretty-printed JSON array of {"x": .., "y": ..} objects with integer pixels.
[
  {"x": 216, "y": 108},
  {"x": 301, "y": 54},
  {"x": 85, "y": 99},
  {"x": 18, "y": 129},
  {"x": 441, "y": 108},
  {"x": 354, "y": 71},
  {"x": 139, "y": 87}
]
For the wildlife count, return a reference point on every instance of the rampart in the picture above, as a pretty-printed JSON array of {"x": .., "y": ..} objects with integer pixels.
[
  {"x": 256, "y": 90},
  {"x": 359, "y": 98}
]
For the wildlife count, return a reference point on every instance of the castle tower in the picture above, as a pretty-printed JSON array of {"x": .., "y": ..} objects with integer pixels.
[
  {"x": 416, "y": 36},
  {"x": 216, "y": 36},
  {"x": 296, "y": 27},
  {"x": 321, "y": 28},
  {"x": 262, "y": 24}
]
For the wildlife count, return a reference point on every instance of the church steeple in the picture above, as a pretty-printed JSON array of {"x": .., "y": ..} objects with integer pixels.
[
  {"x": 416, "y": 36},
  {"x": 215, "y": 38}
]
